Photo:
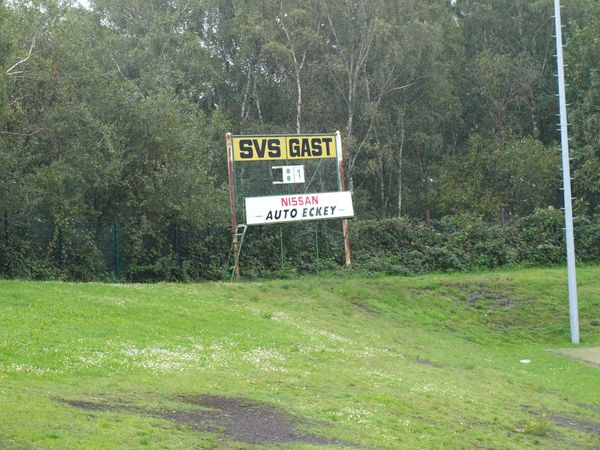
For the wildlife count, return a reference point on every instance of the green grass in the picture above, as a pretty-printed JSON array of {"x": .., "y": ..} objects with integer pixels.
[{"x": 386, "y": 362}]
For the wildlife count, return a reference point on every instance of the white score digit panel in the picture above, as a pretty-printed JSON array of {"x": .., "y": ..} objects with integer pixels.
[{"x": 288, "y": 174}]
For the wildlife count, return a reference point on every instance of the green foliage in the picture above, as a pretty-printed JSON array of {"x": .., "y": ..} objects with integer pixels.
[
  {"x": 458, "y": 243},
  {"x": 540, "y": 239},
  {"x": 117, "y": 113},
  {"x": 151, "y": 251},
  {"x": 500, "y": 178},
  {"x": 583, "y": 57}
]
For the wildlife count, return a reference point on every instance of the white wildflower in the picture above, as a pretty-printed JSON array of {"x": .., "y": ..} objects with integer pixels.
[{"x": 266, "y": 359}]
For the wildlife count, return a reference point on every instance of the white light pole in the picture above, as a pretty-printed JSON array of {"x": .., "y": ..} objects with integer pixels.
[{"x": 564, "y": 139}]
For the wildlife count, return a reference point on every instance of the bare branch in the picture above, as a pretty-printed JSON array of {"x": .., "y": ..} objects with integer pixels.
[
  {"x": 18, "y": 99},
  {"x": 399, "y": 88},
  {"x": 337, "y": 40},
  {"x": 21, "y": 61},
  {"x": 118, "y": 67},
  {"x": 22, "y": 134},
  {"x": 245, "y": 112},
  {"x": 256, "y": 100}
]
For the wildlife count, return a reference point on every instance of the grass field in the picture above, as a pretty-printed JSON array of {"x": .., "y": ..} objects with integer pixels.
[{"x": 317, "y": 362}]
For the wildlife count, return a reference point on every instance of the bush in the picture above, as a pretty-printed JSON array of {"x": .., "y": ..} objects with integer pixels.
[{"x": 143, "y": 251}]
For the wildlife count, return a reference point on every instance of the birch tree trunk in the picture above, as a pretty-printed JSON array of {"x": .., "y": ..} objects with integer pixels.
[{"x": 400, "y": 151}]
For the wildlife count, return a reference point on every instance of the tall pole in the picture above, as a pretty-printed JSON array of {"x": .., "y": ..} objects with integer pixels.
[
  {"x": 232, "y": 202},
  {"x": 341, "y": 186},
  {"x": 564, "y": 139}
]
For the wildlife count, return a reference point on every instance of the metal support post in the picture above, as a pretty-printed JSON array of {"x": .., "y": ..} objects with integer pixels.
[
  {"x": 341, "y": 184},
  {"x": 232, "y": 202},
  {"x": 564, "y": 138}
]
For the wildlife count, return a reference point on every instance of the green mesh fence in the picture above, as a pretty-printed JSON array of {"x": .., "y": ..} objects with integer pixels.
[
  {"x": 35, "y": 247},
  {"x": 141, "y": 251},
  {"x": 259, "y": 178}
]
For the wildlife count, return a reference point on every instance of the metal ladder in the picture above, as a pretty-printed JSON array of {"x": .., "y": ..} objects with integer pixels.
[{"x": 239, "y": 235}]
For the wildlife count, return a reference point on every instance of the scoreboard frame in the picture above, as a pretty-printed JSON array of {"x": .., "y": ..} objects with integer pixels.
[{"x": 287, "y": 147}]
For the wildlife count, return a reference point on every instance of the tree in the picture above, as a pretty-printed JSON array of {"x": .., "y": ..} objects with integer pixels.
[
  {"x": 583, "y": 58},
  {"x": 301, "y": 27},
  {"x": 510, "y": 83},
  {"x": 500, "y": 178}
]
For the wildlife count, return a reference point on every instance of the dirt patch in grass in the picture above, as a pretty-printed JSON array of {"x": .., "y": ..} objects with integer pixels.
[
  {"x": 594, "y": 409},
  {"x": 247, "y": 420},
  {"x": 88, "y": 406},
  {"x": 588, "y": 426},
  {"x": 364, "y": 307},
  {"x": 476, "y": 295},
  {"x": 481, "y": 294},
  {"x": 577, "y": 424},
  {"x": 235, "y": 418},
  {"x": 426, "y": 362}
]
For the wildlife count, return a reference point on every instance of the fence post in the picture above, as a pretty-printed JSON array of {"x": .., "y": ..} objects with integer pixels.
[
  {"x": 177, "y": 254},
  {"x": 6, "y": 264},
  {"x": 116, "y": 249},
  {"x": 59, "y": 249},
  {"x": 281, "y": 246},
  {"x": 317, "y": 242}
]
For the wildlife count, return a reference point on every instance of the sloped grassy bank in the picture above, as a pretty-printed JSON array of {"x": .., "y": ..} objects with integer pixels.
[{"x": 386, "y": 362}]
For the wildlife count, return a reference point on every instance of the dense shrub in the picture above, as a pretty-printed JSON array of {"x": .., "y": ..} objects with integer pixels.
[{"x": 143, "y": 251}]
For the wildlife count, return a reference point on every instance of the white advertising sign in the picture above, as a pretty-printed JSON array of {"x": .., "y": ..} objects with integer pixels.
[{"x": 299, "y": 207}]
